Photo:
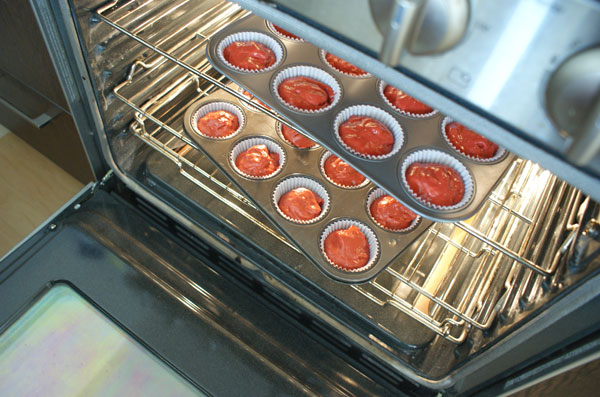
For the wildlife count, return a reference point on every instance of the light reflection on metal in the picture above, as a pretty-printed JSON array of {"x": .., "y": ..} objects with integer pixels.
[{"x": 379, "y": 342}]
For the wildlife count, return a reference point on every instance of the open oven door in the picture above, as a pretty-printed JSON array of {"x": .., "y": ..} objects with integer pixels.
[{"x": 111, "y": 290}]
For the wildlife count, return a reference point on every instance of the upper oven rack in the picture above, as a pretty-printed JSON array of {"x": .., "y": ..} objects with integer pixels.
[{"x": 482, "y": 254}]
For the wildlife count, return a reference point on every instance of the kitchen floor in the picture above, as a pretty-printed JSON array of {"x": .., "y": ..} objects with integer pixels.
[{"x": 31, "y": 189}]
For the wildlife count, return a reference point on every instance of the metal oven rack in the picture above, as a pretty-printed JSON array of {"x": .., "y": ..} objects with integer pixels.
[{"x": 456, "y": 276}]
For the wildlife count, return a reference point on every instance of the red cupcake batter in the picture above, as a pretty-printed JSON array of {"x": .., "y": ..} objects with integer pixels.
[
  {"x": 249, "y": 55},
  {"x": 301, "y": 204},
  {"x": 253, "y": 98},
  {"x": 366, "y": 135},
  {"x": 257, "y": 161},
  {"x": 218, "y": 124},
  {"x": 305, "y": 93},
  {"x": 347, "y": 248},
  {"x": 343, "y": 66},
  {"x": 341, "y": 172},
  {"x": 286, "y": 33},
  {"x": 389, "y": 213},
  {"x": 469, "y": 142},
  {"x": 404, "y": 102},
  {"x": 435, "y": 183},
  {"x": 295, "y": 138}
]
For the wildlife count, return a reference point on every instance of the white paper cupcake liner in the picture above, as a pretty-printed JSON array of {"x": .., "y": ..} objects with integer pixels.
[
  {"x": 251, "y": 36},
  {"x": 374, "y": 195},
  {"x": 369, "y": 234},
  {"x": 365, "y": 75},
  {"x": 279, "y": 127},
  {"x": 438, "y": 157},
  {"x": 272, "y": 28},
  {"x": 251, "y": 98},
  {"x": 382, "y": 86},
  {"x": 324, "y": 158},
  {"x": 294, "y": 182},
  {"x": 314, "y": 73},
  {"x": 214, "y": 107},
  {"x": 378, "y": 114},
  {"x": 246, "y": 144},
  {"x": 499, "y": 153}
]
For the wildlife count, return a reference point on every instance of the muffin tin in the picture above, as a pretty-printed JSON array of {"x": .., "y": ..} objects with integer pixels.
[
  {"x": 419, "y": 132},
  {"x": 344, "y": 203}
]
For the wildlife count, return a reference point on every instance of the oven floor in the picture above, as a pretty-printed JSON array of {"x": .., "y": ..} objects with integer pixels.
[{"x": 31, "y": 188}]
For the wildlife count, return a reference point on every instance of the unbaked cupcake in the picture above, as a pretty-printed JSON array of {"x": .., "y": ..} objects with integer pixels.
[
  {"x": 437, "y": 179},
  {"x": 250, "y": 52},
  {"x": 368, "y": 131},
  {"x": 388, "y": 213},
  {"x": 253, "y": 99},
  {"x": 342, "y": 66},
  {"x": 218, "y": 120},
  {"x": 295, "y": 138},
  {"x": 470, "y": 143},
  {"x": 349, "y": 245},
  {"x": 284, "y": 33},
  {"x": 301, "y": 199},
  {"x": 306, "y": 89},
  {"x": 257, "y": 158},
  {"x": 435, "y": 183},
  {"x": 340, "y": 173},
  {"x": 403, "y": 102}
]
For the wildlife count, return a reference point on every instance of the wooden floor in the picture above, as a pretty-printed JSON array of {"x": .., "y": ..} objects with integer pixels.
[{"x": 31, "y": 189}]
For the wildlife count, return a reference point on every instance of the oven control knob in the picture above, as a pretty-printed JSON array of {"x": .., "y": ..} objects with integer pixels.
[
  {"x": 573, "y": 104},
  {"x": 419, "y": 26}
]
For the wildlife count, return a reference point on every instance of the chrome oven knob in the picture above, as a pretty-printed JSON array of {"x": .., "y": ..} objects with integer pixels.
[
  {"x": 419, "y": 26},
  {"x": 573, "y": 104}
]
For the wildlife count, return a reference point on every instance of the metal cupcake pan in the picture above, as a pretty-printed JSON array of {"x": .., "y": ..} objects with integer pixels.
[
  {"x": 419, "y": 132},
  {"x": 343, "y": 203}
]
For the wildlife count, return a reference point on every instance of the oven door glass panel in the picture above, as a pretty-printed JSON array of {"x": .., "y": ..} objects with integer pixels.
[{"x": 63, "y": 346}]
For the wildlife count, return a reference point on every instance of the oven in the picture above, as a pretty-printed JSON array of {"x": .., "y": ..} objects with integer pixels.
[{"x": 177, "y": 256}]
